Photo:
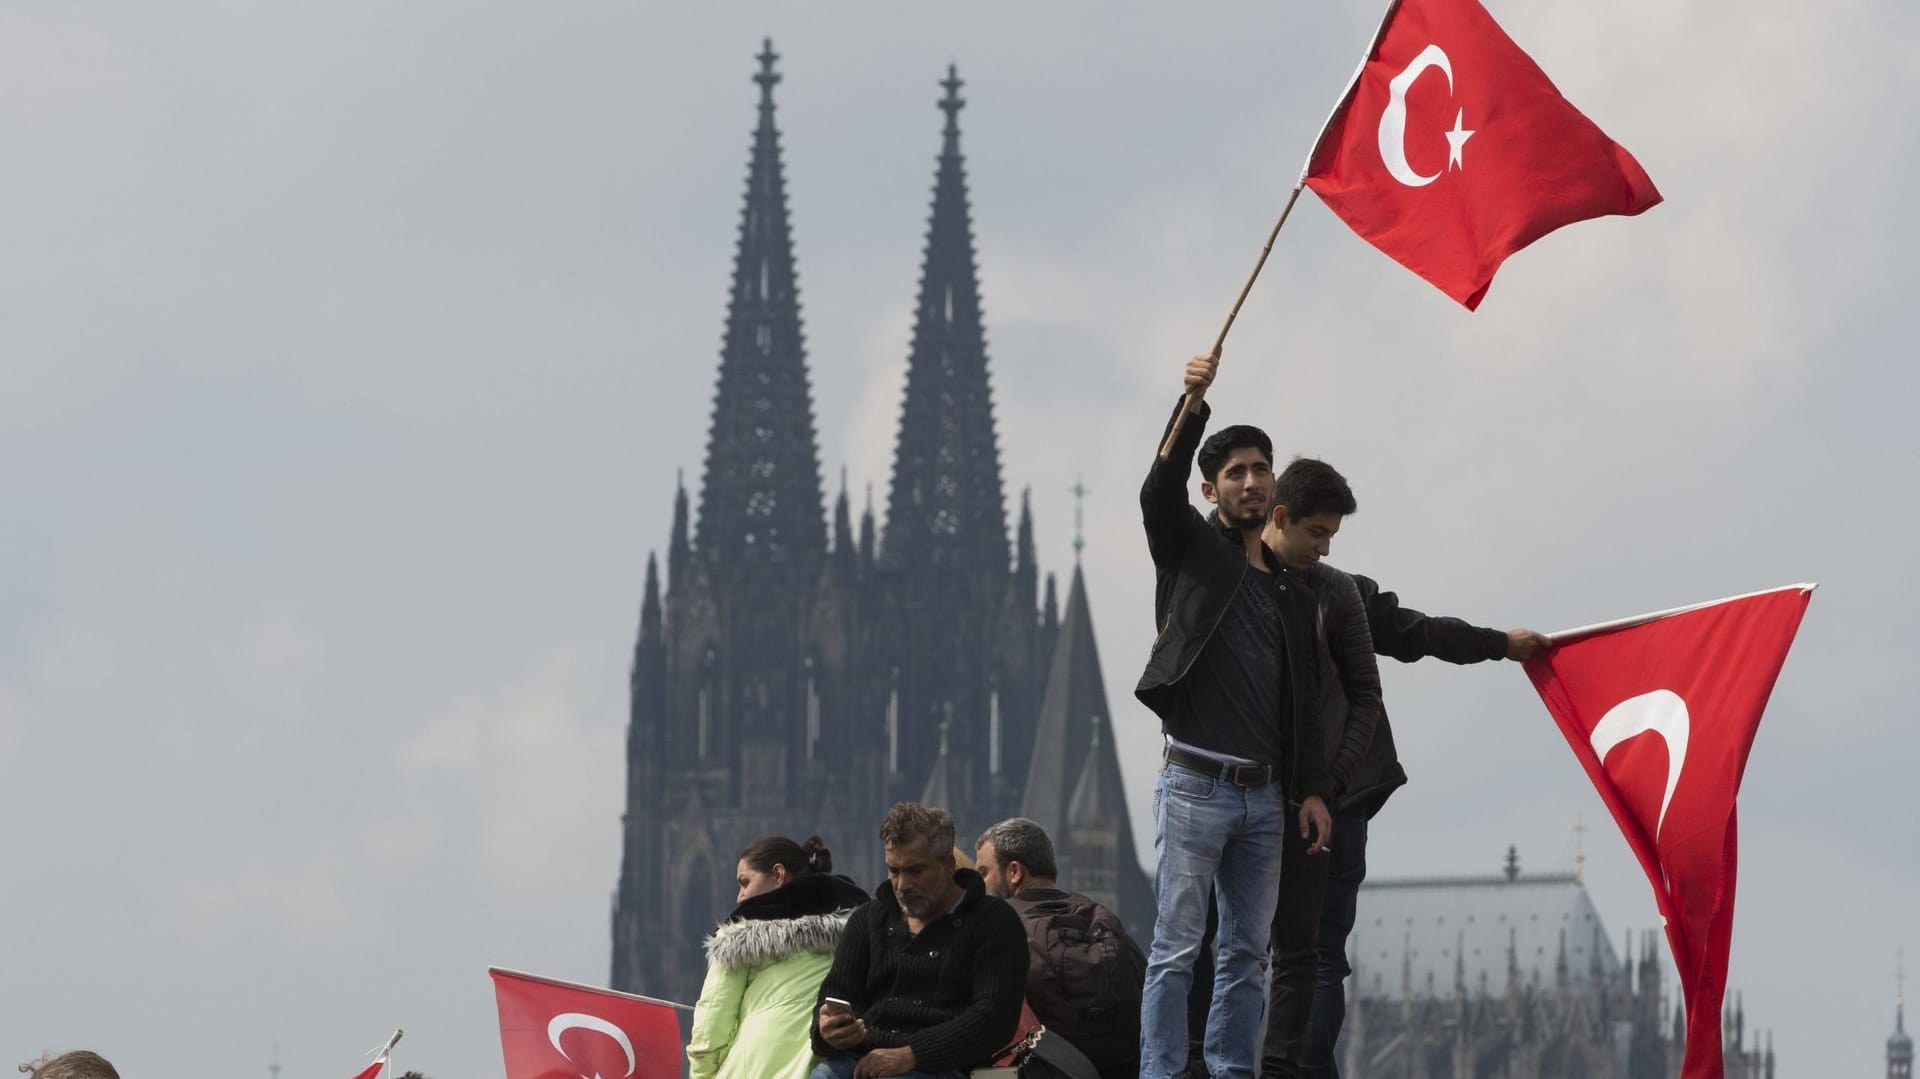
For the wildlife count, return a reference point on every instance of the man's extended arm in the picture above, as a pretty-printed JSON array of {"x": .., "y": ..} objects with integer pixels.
[{"x": 1408, "y": 635}]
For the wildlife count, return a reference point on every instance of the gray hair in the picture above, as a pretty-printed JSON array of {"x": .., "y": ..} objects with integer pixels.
[
  {"x": 908, "y": 821},
  {"x": 1018, "y": 839}
]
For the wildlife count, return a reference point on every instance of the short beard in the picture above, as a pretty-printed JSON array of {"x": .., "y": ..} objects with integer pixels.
[{"x": 1238, "y": 524}]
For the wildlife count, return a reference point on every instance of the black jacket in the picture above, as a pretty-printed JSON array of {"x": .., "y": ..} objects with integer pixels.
[
  {"x": 1351, "y": 704},
  {"x": 952, "y": 992},
  {"x": 1198, "y": 565},
  {"x": 1407, "y": 635}
]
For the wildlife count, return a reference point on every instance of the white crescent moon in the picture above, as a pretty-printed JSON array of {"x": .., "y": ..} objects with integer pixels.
[
  {"x": 1393, "y": 121},
  {"x": 1663, "y": 713},
  {"x": 581, "y": 1021}
]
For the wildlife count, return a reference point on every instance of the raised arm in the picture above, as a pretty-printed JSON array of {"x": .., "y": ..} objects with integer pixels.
[{"x": 1164, "y": 505}]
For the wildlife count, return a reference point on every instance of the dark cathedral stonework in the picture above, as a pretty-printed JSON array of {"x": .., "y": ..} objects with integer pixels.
[{"x": 788, "y": 681}]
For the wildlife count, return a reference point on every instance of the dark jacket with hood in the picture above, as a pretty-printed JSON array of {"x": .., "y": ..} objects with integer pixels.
[
  {"x": 1198, "y": 564},
  {"x": 952, "y": 992},
  {"x": 1407, "y": 635}
]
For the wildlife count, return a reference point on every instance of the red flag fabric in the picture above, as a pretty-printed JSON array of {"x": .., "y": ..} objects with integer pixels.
[
  {"x": 1696, "y": 681},
  {"x": 557, "y": 1030},
  {"x": 1451, "y": 150},
  {"x": 373, "y": 1071}
]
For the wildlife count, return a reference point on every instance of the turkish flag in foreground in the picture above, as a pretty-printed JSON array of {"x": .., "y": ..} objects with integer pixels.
[
  {"x": 1661, "y": 711},
  {"x": 1451, "y": 150},
  {"x": 559, "y": 1030},
  {"x": 373, "y": 1070}
]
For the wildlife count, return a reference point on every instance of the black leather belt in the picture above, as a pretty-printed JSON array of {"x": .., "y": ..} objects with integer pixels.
[{"x": 1240, "y": 775}]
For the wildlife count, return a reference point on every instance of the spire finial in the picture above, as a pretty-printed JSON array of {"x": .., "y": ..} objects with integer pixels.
[
  {"x": 1900, "y": 991},
  {"x": 1513, "y": 862},
  {"x": 766, "y": 76},
  {"x": 1095, "y": 741},
  {"x": 953, "y": 102},
  {"x": 1079, "y": 492}
]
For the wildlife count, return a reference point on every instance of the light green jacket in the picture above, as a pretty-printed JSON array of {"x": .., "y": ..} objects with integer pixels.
[{"x": 756, "y": 1008}]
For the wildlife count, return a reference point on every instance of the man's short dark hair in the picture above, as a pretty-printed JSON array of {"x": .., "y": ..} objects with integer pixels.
[
  {"x": 1018, "y": 839},
  {"x": 1309, "y": 488},
  {"x": 1219, "y": 445},
  {"x": 908, "y": 821}
]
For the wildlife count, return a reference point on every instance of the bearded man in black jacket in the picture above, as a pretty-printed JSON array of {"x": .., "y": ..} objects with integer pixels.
[{"x": 1233, "y": 676}]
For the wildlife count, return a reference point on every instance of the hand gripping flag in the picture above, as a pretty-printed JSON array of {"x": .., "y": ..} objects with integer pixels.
[
  {"x": 1661, "y": 711},
  {"x": 559, "y": 1030},
  {"x": 1451, "y": 150}
]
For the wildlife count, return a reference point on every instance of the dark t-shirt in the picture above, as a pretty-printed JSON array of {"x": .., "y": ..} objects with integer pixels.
[{"x": 1229, "y": 701}]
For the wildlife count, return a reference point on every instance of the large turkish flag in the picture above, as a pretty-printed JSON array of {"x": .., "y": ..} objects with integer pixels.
[
  {"x": 1451, "y": 150},
  {"x": 558, "y": 1030},
  {"x": 1661, "y": 713}
]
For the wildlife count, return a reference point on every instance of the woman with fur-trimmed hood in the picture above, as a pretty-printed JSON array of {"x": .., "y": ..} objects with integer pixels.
[{"x": 766, "y": 961}]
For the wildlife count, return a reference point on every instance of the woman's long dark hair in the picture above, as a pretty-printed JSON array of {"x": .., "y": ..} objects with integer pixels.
[{"x": 799, "y": 859}]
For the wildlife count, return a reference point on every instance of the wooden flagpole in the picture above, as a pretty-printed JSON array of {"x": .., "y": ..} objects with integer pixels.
[{"x": 1191, "y": 400}]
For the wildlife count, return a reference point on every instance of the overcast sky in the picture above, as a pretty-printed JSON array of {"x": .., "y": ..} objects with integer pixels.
[{"x": 348, "y": 352}]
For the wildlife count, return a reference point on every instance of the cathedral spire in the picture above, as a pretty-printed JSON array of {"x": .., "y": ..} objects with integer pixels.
[
  {"x": 845, "y": 557},
  {"x": 650, "y": 626},
  {"x": 1025, "y": 567},
  {"x": 945, "y": 508},
  {"x": 679, "y": 548},
  {"x": 1900, "y": 1045},
  {"x": 761, "y": 498},
  {"x": 867, "y": 541}
]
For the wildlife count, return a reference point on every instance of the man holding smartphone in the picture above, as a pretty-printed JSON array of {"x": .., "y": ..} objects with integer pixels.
[{"x": 930, "y": 973}]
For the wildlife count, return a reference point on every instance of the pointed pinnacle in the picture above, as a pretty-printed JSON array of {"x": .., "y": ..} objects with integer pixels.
[{"x": 766, "y": 76}]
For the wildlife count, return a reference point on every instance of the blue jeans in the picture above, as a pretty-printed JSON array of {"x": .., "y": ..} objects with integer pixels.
[
  {"x": 842, "y": 1068},
  {"x": 1211, "y": 835},
  {"x": 1346, "y": 868}
]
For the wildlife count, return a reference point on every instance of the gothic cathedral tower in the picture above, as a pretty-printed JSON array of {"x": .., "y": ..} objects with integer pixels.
[{"x": 793, "y": 678}]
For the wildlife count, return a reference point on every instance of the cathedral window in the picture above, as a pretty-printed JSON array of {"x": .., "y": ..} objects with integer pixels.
[
  {"x": 813, "y": 710},
  {"x": 893, "y": 725},
  {"x": 993, "y": 730}
]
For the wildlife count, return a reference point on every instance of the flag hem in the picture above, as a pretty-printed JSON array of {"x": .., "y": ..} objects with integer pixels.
[
  {"x": 544, "y": 980},
  {"x": 1566, "y": 635}
]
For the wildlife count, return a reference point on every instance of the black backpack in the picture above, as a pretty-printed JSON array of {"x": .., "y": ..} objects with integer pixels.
[{"x": 1084, "y": 977}]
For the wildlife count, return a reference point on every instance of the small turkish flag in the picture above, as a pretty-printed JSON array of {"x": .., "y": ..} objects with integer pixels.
[
  {"x": 558, "y": 1030},
  {"x": 1661, "y": 711},
  {"x": 1451, "y": 150},
  {"x": 373, "y": 1070}
]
